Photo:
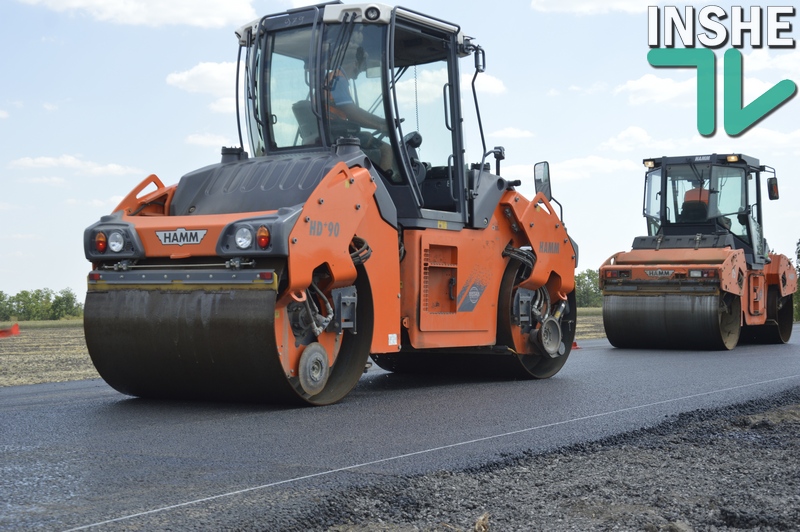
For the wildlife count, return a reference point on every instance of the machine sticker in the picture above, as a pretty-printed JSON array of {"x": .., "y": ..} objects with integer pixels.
[
  {"x": 181, "y": 236},
  {"x": 473, "y": 295},
  {"x": 318, "y": 228},
  {"x": 659, "y": 273}
]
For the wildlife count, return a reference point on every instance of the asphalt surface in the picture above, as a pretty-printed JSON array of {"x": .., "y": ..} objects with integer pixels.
[{"x": 81, "y": 456}]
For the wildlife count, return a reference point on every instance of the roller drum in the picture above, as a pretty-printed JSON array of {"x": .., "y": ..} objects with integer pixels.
[
  {"x": 187, "y": 344},
  {"x": 672, "y": 321}
]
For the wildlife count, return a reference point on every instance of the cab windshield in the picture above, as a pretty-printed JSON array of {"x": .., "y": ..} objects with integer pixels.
[{"x": 699, "y": 193}]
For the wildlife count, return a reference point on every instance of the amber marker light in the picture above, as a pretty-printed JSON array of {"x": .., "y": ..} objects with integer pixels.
[
  {"x": 100, "y": 242},
  {"x": 263, "y": 237}
]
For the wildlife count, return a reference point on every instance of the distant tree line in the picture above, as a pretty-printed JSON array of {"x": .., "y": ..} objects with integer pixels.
[
  {"x": 42, "y": 304},
  {"x": 587, "y": 289}
]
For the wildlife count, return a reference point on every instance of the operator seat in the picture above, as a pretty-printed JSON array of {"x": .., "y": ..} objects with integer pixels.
[
  {"x": 307, "y": 123},
  {"x": 694, "y": 211}
]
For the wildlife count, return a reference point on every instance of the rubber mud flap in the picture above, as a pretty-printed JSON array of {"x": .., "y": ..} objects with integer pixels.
[{"x": 211, "y": 345}]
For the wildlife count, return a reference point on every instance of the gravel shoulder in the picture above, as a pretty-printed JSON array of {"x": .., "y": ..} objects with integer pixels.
[{"x": 735, "y": 468}]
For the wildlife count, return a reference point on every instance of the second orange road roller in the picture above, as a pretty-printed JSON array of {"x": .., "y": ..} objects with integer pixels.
[
  {"x": 703, "y": 277},
  {"x": 354, "y": 227}
]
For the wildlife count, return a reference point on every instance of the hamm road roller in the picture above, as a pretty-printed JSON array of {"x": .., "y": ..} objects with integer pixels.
[
  {"x": 703, "y": 277},
  {"x": 353, "y": 228}
]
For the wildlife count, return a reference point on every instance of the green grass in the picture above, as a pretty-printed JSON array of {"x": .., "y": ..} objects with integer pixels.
[{"x": 590, "y": 311}]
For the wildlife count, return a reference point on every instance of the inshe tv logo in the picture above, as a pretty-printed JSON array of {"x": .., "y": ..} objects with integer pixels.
[{"x": 769, "y": 25}]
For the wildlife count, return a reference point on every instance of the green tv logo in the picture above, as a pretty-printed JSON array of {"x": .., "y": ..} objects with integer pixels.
[{"x": 737, "y": 117}]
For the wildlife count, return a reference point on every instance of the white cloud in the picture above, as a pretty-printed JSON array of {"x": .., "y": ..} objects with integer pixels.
[
  {"x": 764, "y": 140},
  {"x": 485, "y": 83},
  {"x": 512, "y": 133},
  {"x": 591, "y": 167},
  {"x": 4, "y": 206},
  {"x": 653, "y": 89},
  {"x": 207, "y": 139},
  {"x": 72, "y": 202},
  {"x": 224, "y": 105},
  {"x": 3, "y": 114},
  {"x": 762, "y": 59},
  {"x": 52, "y": 181},
  {"x": 216, "y": 79},
  {"x": 589, "y": 7},
  {"x": 70, "y": 162},
  {"x": 637, "y": 139},
  {"x": 596, "y": 87},
  {"x": 49, "y": 107},
  {"x": 202, "y": 13}
]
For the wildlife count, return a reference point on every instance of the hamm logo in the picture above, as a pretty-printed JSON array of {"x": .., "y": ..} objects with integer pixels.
[
  {"x": 181, "y": 236},
  {"x": 549, "y": 247},
  {"x": 659, "y": 273}
]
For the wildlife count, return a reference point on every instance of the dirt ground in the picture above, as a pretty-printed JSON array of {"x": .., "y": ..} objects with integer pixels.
[
  {"x": 56, "y": 352},
  {"x": 45, "y": 354}
]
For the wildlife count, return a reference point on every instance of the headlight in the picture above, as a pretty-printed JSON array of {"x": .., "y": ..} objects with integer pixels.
[
  {"x": 244, "y": 238},
  {"x": 116, "y": 242}
]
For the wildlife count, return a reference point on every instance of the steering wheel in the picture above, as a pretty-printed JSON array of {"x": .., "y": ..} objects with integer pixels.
[{"x": 413, "y": 141}]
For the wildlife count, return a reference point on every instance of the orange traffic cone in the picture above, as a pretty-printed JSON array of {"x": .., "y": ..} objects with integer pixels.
[{"x": 11, "y": 331}]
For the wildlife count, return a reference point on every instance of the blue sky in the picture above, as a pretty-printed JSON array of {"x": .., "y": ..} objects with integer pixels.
[{"x": 98, "y": 94}]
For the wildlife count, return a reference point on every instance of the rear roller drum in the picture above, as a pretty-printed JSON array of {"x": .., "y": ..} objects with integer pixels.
[
  {"x": 780, "y": 318},
  {"x": 547, "y": 353},
  {"x": 540, "y": 358}
]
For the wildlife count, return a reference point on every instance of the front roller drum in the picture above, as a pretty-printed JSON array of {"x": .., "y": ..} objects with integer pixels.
[
  {"x": 673, "y": 321},
  {"x": 208, "y": 345}
]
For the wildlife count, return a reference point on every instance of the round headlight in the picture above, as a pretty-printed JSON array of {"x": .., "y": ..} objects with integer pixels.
[
  {"x": 372, "y": 13},
  {"x": 244, "y": 238},
  {"x": 116, "y": 242}
]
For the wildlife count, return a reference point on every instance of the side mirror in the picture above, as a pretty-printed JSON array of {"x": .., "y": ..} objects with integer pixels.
[
  {"x": 772, "y": 188},
  {"x": 541, "y": 179}
]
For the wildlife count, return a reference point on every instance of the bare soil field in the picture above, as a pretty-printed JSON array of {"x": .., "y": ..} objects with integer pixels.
[
  {"x": 56, "y": 351},
  {"x": 40, "y": 353}
]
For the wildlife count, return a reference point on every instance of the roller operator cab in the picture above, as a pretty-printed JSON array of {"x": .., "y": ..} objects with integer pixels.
[
  {"x": 703, "y": 277},
  {"x": 357, "y": 228}
]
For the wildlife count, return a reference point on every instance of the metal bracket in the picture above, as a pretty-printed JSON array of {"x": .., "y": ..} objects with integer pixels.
[
  {"x": 345, "y": 301},
  {"x": 523, "y": 308}
]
